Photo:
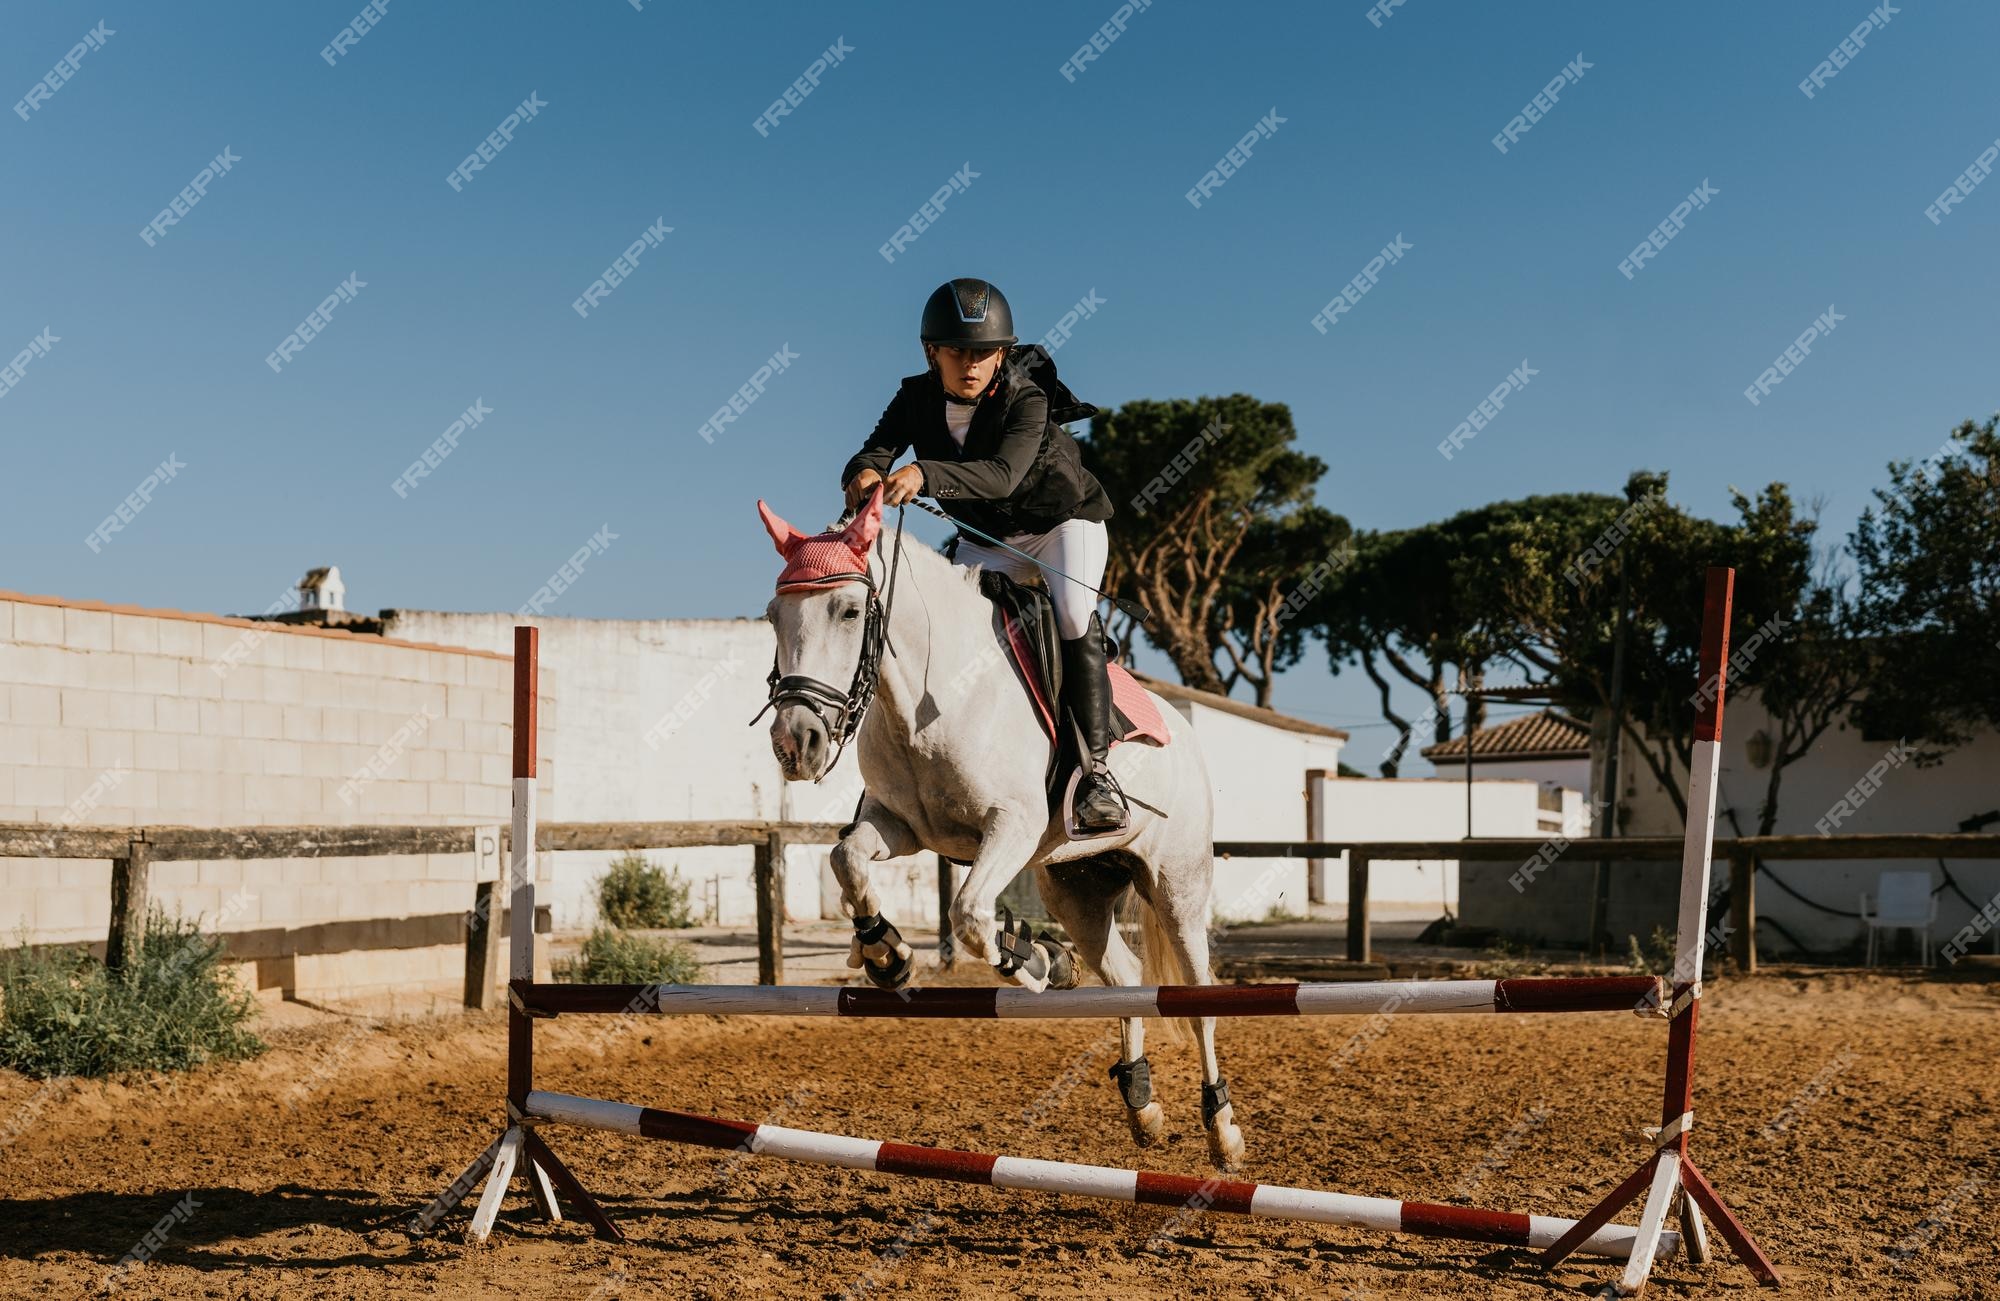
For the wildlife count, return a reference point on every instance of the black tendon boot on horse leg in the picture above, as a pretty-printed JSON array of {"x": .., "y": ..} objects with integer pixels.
[
  {"x": 1096, "y": 805},
  {"x": 1033, "y": 960},
  {"x": 879, "y": 950}
]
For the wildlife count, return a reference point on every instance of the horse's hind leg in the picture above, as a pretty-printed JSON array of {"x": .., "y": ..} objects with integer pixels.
[
  {"x": 875, "y": 835},
  {"x": 1186, "y": 932},
  {"x": 1084, "y": 898}
]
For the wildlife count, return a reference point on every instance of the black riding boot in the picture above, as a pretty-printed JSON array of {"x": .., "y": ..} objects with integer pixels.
[{"x": 1097, "y": 806}]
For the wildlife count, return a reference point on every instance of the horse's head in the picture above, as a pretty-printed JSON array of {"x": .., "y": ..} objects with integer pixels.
[{"x": 829, "y": 630}]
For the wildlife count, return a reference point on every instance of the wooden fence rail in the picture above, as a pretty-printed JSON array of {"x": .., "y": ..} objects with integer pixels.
[{"x": 132, "y": 851}]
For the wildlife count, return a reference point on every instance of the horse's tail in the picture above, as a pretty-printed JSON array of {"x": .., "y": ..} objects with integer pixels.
[{"x": 1160, "y": 964}]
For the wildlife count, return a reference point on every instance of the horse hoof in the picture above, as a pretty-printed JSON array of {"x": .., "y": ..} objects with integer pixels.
[
  {"x": 1063, "y": 973},
  {"x": 1225, "y": 1145},
  {"x": 1025, "y": 979},
  {"x": 895, "y": 973},
  {"x": 1149, "y": 1124}
]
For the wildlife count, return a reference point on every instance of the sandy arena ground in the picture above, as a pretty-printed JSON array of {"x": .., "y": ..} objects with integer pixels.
[{"x": 1851, "y": 1119}]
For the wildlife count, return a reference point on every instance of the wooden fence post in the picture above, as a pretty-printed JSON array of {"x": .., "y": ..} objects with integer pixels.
[
  {"x": 1357, "y": 906},
  {"x": 947, "y": 891},
  {"x": 482, "y": 924},
  {"x": 769, "y": 873},
  {"x": 482, "y": 947},
  {"x": 129, "y": 898},
  {"x": 1743, "y": 908},
  {"x": 1316, "y": 779}
]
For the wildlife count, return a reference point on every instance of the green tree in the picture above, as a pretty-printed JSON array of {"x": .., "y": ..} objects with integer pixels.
[
  {"x": 1285, "y": 566},
  {"x": 1794, "y": 637},
  {"x": 1430, "y": 605},
  {"x": 1562, "y": 577},
  {"x": 1203, "y": 489},
  {"x": 1927, "y": 557}
]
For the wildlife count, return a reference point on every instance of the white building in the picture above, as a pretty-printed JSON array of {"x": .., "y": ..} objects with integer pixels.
[
  {"x": 321, "y": 589},
  {"x": 1846, "y": 784},
  {"x": 1547, "y": 747}
]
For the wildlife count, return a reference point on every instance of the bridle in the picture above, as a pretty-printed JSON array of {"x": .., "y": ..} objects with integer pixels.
[{"x": 846, "y": 707}]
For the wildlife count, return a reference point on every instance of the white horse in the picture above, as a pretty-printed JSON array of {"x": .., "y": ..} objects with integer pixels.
[{"x": 953, "y": 759}]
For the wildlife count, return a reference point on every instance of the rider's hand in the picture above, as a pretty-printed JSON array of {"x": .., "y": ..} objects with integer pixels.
[
  {"x": 860, "y": 486},
  {"x": 904, "y": 486}
]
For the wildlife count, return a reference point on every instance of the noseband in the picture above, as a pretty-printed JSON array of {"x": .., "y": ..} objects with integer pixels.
[{"x": 840, "y": 712}]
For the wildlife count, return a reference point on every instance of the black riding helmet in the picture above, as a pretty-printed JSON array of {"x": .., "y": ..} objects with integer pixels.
[{"x": 967, "y": 313}]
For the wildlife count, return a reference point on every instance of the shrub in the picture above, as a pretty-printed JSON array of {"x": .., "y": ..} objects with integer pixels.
[
  {"x": 613, "y": 957},
  {"x": 1507, "y": 959},
  {"x": 62, "y": 1012},
  {"x": 634, "y": 894},
  {"x": 1656, "y": 957}
]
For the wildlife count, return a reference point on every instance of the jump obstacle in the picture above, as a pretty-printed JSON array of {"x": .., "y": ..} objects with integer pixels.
[{"x": 1671, "y": 1182}]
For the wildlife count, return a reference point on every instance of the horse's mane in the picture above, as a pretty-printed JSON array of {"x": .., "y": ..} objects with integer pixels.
[{"x": 919, "y": 558}]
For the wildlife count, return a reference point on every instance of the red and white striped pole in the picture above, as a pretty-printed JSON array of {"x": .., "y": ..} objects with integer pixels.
[
  {"x": 1270, "y": 1201},
  {"x": 1643, "y": 994},
  {"x": 1669, "y": 1176},
  {"x": 521, "y": 950},
  {"x": 526, "y": 726}
]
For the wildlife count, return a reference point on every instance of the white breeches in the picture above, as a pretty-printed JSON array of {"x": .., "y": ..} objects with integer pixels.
[{"x": 1077, "y": 547}]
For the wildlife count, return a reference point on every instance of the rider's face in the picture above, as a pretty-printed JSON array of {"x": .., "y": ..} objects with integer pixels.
[{"x": 966, "y": 371}]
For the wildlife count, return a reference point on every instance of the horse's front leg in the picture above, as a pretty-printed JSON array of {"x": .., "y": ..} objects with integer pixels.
[
  {"x": 1005, "y": 845},
  {"x": 875, "y": 836}
]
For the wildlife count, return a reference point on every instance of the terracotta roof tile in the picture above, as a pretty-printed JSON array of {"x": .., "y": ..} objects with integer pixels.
[{"x": 1542, "y": 735}]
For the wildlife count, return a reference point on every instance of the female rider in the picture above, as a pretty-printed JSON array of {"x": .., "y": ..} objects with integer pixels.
[{"x": 989, "y": 455}]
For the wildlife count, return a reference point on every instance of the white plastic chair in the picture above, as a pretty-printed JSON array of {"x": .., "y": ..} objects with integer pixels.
[{"x": 1903, "y": 901}]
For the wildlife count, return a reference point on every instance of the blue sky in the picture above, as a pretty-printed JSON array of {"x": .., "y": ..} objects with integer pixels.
[{"x": 1386, "y": 130}]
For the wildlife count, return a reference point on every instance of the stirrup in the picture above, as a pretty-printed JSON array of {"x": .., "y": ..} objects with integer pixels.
[{"x": 1070, "y": 825}]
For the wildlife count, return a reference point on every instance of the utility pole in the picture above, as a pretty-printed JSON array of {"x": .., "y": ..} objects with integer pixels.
[{"x": 1605, "y": 816}]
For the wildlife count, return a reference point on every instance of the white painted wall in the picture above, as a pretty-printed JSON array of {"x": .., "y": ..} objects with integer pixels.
[
  {"x": 1910, "y": 799},
  {"x": 113, "y": 716},
  {"x": 1258, "y": 774},
  {"x": 1430, "y": 808},
  {"x": 1573, "y": 774},
  {"x": 656, "y": 728},
  {"x": 622, "y": 678}
]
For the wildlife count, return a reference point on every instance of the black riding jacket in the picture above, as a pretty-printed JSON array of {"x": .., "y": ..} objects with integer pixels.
[{"x": 1019, "y": 472}]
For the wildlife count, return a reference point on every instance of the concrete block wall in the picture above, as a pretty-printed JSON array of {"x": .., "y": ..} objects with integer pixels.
[
  {"x": 119, "y": 716},
  {"x": 655, "y": 728}
]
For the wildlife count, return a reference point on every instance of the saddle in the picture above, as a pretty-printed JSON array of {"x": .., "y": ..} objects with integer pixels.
[{"x": 1034, "y": 646}]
